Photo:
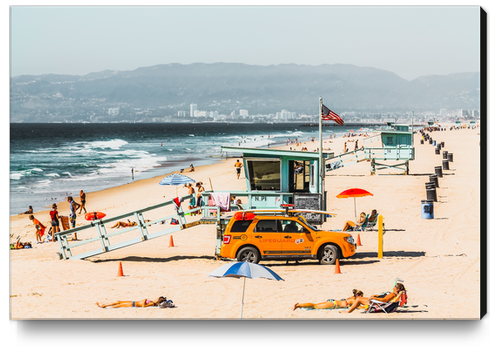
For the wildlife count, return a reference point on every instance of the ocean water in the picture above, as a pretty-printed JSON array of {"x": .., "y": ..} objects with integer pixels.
[{"x": 48, "y": 162}]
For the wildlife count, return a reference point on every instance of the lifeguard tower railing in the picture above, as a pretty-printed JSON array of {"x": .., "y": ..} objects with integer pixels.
[
  {"x": 98, "y": 236},
  {"x": 374, "y": 154}
]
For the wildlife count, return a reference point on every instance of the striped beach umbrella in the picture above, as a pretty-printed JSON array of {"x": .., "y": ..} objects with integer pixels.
[{"x": 175, "y": 180}]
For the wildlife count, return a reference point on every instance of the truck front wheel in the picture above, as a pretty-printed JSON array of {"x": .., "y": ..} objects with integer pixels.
[{"x": 328, "y": 254}]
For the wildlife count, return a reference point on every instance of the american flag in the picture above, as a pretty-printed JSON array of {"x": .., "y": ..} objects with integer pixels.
[{"x": 328, "y": 114}]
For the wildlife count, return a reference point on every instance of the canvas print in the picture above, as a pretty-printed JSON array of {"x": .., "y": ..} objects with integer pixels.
[{"x": 246, "y": 163}]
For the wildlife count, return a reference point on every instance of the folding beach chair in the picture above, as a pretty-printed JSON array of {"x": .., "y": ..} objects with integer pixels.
[
  {"x": 388, "y": 307},
  {"x": 363, "y": 226},
  {"x": 371, "y": 225}
]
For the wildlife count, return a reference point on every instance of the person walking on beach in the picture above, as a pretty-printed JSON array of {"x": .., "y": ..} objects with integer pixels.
[
  {"x": 40, "y": 228},
  {"x": 82, "y": 202},
  {"x": 55, "y": 223},
  {"x": 73, "y": 213},
  {"x": 132, "y": 173},
  {"x": 238, "y": 167}
]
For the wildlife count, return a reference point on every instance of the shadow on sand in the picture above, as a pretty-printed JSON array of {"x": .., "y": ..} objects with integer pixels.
[
  {"x": 362, "y": 255},
  {"x": 154, "y": 260}
]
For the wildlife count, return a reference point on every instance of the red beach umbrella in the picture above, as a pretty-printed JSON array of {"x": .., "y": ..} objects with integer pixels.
[{"x": 354, "y": 193}]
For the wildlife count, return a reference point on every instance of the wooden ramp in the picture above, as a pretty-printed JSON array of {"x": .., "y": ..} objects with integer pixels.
[{"x": 100, "y": 236}]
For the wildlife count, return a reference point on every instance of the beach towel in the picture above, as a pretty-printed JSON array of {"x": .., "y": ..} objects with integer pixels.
[
  {"x": 177, "y": 202},
  {"x": 222, "y": 200},
  {"x": 65, "y": 222}
]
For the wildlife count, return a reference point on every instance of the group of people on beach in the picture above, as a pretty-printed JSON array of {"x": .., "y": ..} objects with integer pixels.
[
  {"x": 357, "y": 300},
  {"x": 55, "y": 218},
  {"x": 196, "y": 200}
]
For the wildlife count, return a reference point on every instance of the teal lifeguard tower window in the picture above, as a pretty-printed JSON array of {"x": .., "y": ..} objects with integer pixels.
[{"x": 264, "y": 174}]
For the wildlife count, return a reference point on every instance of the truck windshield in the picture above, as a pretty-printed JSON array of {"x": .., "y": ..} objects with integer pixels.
[{"x": 312, "y": 227}]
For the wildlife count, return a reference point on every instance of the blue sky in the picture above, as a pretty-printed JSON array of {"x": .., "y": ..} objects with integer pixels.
[{"x": 410, "y": 41}]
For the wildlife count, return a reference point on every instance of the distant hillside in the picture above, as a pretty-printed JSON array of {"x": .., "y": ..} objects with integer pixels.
[{"x": 225, "y": 87}]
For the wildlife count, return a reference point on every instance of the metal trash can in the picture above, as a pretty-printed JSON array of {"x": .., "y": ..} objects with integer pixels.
[
  {"x": 427, "y": 209},
  {"x": 430, "y": 190},
  {"x": 444, "y": 154},
  {"x": 445, "y": 164},
  {"x": 442, "y": 142},
  {"x": 421, "y": 141},
  {"x": 450, "y": 157},
  {"x": 433, "y": 178},
  {"x": 438, "y": 151},
  {"x": 438, "y": 170}
]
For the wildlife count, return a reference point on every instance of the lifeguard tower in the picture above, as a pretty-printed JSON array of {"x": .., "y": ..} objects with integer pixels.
[
  {"x": 396, "y": 151},
  {"x": 276, "y": 177}
]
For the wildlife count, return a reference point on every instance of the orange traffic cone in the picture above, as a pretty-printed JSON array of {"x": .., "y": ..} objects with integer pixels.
[
  {"x": 171, "y": 244},
  {"x": 120, "y": 272},
  {"x": 337, "y": 267},
  {"x": 359, "y": 240}
]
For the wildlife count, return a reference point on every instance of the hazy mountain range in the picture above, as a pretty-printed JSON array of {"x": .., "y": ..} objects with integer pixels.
[{"x": 224, "y": 87}]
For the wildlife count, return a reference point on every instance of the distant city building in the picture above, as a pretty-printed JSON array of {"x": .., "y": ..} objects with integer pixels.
[
  {"x": 181, "y": 114},
  {"x": 193, "y": 110},
  {"x": 113, "y": 111},
  {"x": 244, "y": 113}
]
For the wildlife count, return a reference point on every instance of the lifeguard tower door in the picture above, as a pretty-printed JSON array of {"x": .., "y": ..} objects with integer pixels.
[{"x": 299, "y": 176}]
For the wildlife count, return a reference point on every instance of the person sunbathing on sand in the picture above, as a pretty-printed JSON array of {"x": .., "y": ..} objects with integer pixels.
[
  {"x": 123, "y": 224},
  {"x": 142, "y": 303},
  {"x": 332, "y": 304},
  {"x": 350, "y": 225},
  {"x": 366, "y": 301}
]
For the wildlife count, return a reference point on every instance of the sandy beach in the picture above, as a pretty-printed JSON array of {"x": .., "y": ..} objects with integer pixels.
[{"x": 437, "y": 259}]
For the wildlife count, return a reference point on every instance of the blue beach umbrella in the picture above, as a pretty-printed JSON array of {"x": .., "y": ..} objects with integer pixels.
[
  {"x": 175, "y": 180},
  {"x": 245, "y": 270}
]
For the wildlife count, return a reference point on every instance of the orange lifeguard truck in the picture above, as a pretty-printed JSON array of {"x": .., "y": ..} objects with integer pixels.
[{"x": 254, "y": 235}]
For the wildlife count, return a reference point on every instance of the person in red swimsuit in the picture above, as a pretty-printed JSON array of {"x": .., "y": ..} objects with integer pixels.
[{"x": 55, "y": 223}]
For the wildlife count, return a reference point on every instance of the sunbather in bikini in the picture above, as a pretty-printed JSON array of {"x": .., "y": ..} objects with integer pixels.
[
  {"x": 123, "y": 224},
  {"x": 331, "y": 303},
  {"x": 366, "y": 301},
  {"x": 350, "y": 225},
  {"x": 142, "y": 303}
]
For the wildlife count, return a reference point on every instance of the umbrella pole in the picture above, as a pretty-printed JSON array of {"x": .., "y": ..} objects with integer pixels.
[
  {"x": 243, "y": 295},
  {"x": 355, "y": 208}
]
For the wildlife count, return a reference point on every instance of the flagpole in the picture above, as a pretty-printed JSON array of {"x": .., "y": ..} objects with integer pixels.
[{"x": 320, "y": 152}]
